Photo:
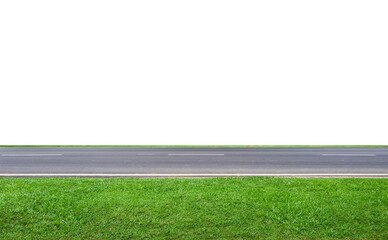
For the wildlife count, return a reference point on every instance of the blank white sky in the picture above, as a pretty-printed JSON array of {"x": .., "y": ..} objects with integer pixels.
[{"x": 193, "y": 72}]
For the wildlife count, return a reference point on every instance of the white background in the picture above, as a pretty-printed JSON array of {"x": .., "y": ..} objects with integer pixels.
[{"x": 193, "y": 72}]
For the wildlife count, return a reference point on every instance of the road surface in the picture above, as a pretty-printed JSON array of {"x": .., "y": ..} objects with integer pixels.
[{"x": 192, "y": 162}]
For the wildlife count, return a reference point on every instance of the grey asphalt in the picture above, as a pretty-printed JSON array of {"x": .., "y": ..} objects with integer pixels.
[{"x": 97, "y": 161}]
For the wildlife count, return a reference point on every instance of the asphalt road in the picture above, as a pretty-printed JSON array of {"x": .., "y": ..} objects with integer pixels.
[{"x": 191, "y": 162}]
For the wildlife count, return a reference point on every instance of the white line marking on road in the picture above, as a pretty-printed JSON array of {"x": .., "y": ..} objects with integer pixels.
[
  {"x": 145, "y": 154},
  {"x": 196, "y": 154},
  {"x": 186, "y": 174},
  {"x": 350, "y": 154},
  {"x": 31, "y": 155}
]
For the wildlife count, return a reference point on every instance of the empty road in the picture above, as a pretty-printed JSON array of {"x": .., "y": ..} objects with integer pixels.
[{"x": 192, "y": 162}]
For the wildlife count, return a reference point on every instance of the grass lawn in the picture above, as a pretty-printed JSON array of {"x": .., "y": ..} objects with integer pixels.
[{"x": 199, "y": 208}]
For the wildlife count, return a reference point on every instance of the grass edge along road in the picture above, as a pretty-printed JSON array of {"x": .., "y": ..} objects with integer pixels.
[
  {"x": 205, "y": 208},
  {"x": 220, "y": 146}
]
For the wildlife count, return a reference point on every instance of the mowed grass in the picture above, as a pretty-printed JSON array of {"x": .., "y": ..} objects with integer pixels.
[{"x": 199, "y": 208}]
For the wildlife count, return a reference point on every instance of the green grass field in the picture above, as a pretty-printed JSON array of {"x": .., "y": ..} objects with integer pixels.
[{"x": 200, "y": 208}]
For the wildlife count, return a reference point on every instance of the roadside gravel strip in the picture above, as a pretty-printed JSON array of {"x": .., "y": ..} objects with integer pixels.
[{"x": 340, "y": 175}]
